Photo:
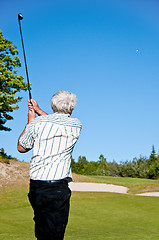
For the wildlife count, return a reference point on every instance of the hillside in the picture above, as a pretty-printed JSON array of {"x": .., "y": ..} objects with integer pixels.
[{"x": 16, "y": 174}]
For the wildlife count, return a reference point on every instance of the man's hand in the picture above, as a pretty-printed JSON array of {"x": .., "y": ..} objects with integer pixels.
[{"x": 32, "y": 104}]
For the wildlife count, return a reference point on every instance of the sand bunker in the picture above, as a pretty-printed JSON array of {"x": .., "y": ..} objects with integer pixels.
[
  {"x": 97, "y": 187},
  {"x": 101, "y": 187}
]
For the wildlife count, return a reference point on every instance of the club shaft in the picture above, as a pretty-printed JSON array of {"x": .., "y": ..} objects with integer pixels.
[{"x": 25, "y": 60}]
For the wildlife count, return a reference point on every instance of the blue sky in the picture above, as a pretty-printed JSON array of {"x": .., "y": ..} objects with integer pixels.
[{"x": 89, "y": 48}]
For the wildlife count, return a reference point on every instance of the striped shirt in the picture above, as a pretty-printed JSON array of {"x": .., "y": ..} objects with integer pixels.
[{"x": 52, "y": 138}]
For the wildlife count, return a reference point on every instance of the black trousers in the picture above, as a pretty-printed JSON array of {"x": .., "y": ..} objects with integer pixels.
[{"x": 50, "y": 202}]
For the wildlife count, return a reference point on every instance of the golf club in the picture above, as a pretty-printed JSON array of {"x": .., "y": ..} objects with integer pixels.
[{"x": 20, "y": 17}]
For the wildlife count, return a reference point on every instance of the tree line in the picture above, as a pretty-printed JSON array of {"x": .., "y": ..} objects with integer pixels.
[{"x": 142, "y": 167}]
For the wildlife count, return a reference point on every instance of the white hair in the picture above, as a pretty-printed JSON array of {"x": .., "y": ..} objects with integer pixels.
[{"x": 63, "y": 102}]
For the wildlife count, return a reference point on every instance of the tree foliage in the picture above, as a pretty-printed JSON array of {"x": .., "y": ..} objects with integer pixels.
[
  {"x": 138, "y": 168},
  {"x": 10, "y": 83},
  {"x": 153, "y": 164}
]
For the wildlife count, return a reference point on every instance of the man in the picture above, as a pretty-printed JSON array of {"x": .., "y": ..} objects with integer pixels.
[{"x": 52, "y": 138}]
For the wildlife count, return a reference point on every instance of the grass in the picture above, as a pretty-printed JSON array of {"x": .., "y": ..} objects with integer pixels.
[
  {"x": 93, "y": 216},
  {"x": 97, "y": 216},
  {"x": 135, "y": 185},
  {"x": 16, "y": 215}
]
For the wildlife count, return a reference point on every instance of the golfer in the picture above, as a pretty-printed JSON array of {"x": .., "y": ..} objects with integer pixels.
[{"x": 52, "y": 138}]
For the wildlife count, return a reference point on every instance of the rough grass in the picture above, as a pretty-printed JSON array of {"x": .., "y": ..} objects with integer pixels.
[{"x": 93, "y": 216}]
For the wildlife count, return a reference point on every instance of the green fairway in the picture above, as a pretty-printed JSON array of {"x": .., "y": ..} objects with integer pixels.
[
  {"x": 113, "y": 216},
  {"x": 15, "y": 216},
  {"x": 93, "y": 216}
]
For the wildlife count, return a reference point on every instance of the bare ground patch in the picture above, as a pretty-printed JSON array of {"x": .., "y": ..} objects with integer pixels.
[{"x": 14, "y": 174}]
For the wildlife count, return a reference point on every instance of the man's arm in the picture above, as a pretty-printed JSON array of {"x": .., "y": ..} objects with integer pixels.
[
  {"x": 19, "y": 147},
  {"x": 31, "y": 116}
]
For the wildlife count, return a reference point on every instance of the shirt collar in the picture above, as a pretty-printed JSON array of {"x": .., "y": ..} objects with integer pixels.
[{"x": 62, "y": 114}]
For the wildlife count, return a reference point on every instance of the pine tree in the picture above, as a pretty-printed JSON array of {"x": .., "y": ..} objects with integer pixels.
[
  {"x": 10, "y": 83},
  {"x": 153, "y": 156}
]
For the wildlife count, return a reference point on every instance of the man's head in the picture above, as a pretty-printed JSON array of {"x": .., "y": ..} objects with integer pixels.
[{"x": 63, "y": 102}]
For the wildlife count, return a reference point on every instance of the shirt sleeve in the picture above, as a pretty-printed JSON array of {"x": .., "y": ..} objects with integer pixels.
[{"x": 27, "y": 140}]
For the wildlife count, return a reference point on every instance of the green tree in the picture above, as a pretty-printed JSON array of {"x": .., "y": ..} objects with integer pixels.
[
  {"x": 153, "y": 165},
  {"x": 10, "y": 83},
  {"x": 142, "y": 168},
  {"x": 103, "y": 166},
  {"x": 82, "y": 160},
  {"x": 91, "y": 168},
  {"x": 113, "y": 169},
  {"x": 73, "y": 165},
  {"x": 153, "y": 156},
  {"x": 81, "y": 164}
]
